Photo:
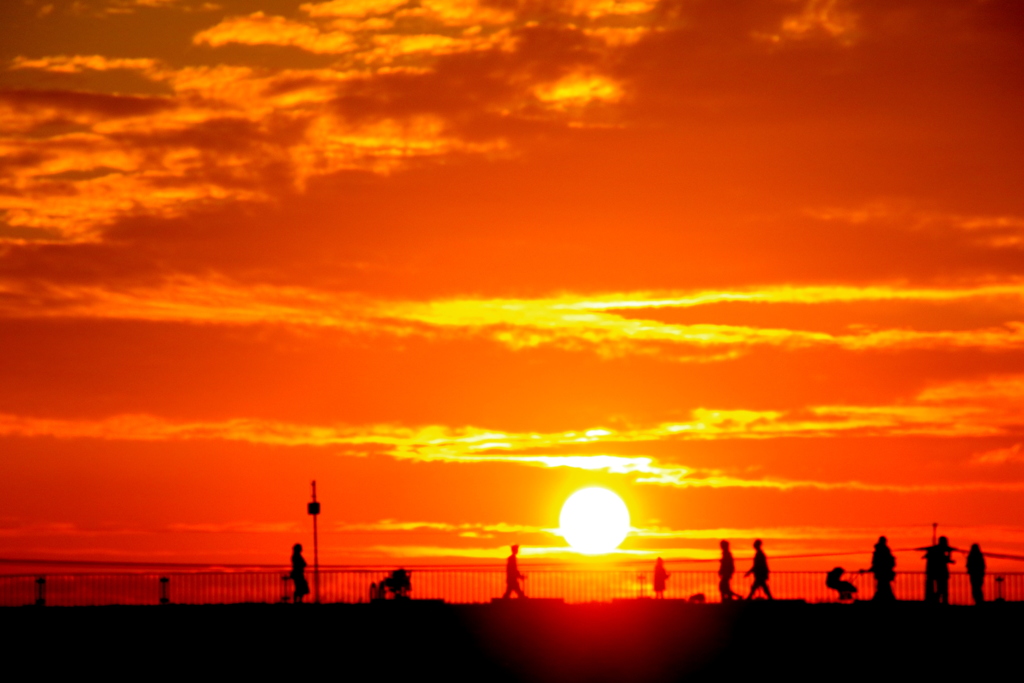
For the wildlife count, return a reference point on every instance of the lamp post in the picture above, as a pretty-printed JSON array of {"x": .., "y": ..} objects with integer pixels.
[{"x": 313, "y": 508}]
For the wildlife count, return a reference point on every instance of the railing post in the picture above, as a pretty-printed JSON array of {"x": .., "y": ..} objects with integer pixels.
[
  {"x": 41, "y": 591},
  {"x": 165, "y": 590}
]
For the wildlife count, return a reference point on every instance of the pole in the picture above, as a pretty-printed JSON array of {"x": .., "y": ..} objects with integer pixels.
[
  {"x": 314, "y": 509},
  {"x": 935, "y": 527}
]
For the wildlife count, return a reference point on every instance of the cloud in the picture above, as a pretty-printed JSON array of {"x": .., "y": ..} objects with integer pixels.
[
  {"x": 351, "y": 8},
  {"x": 239, "y": 527},
  {"x": 472, "y": 445},
  {"x": 227, "y": 133},
  {"x": 1000, "y": 456},
  {"x": 260, "y": 29},
  {"x": 578, "y": 90},
  {"x": 604, "y": 8},
  {"x": 818, "y": 18},
  {"x": 993, "y": 231},
  {"x": 126, "y": 7},
  {"x": 488, "y": 552},
  {"x": 579, "y": 323},
  {"x": 286, "y": 125},
  {"x": 390, "y": 47},
  {"x": 73, "y": 64},
  {"x": 994, "y": 390},
  {"x": 617, "y": 36},
  {"x": 352, "y": 32},
  {"x": 487, "y": 75},
  {"x": 98, "y": 105},
  {"x": 465, "y": 530},
  {"x": 465, "y": 12}
]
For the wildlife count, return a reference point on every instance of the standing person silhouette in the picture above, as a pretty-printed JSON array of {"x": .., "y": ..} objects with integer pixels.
[
  {"x": 976, "y": 570},
  {"x": 760, "y": 572},
  {"x": 660, "y": 577},
  {"x": 726, "y": 569},
  {"x": 883, "y": 566},
  {"x": 512, "y": 576},
  {"x": 937, "y": 557},
  {"x": 299, "y": 573}
]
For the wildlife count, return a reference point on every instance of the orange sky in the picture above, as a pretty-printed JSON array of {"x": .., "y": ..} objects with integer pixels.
[{"x": 757, "y": 266}]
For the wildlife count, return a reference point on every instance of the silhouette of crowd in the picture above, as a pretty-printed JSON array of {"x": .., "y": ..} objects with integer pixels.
[{"x": 937, "y": 556}]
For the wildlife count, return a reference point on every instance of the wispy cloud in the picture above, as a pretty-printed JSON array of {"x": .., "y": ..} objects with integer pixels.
[
  {"x": 832, "y": 19},
  {"x": 261, "y": 29},
  {"x": 1001, "y": 456},
  {"x": 224, "y": 132},
  {"x": 79, "y": 63},
  {"x": 925, "y": 416},
  {"x": 603, "y": 324},
  {"x": 463, "y": 530}
]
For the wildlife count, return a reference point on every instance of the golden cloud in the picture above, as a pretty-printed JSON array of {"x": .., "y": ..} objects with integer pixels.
[
  {"x": 464, "y": 12},
  {"x": 260, "y": 29},
  {"x": 104, "y": 156},
  {"x": 80, "y": 63},
  {"x": 1000, "y": 456},
  {"x": 351, "y": 8},
  {"x": 574, "y": 322},
  {"x": 829, "y": 18},
  {"x": 618, "y": 36},
  {"x": 603, "y": 8},
  {"x": 473, "y": 445},
  {"x": 120, "y": 155},
  {"x": 580, "y": 89}
]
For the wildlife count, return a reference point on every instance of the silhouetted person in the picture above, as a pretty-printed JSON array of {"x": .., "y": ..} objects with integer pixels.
[
  {"x": 834, "y": 580},
  {"x": 760, "y": 572},
  {"x": 936, "y": 587},
  {"x": 660, "y": 577},
  {"x": 725, "y": 571},
  {"x": 883, "y": 566},
  {"x": 299, "y": 573},
  {"x": 512, "y": 576},
  {"x": 976, "y": 570}
]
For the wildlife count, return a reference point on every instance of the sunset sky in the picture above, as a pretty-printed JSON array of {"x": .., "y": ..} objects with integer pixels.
[{"x": 756, "y": 266}]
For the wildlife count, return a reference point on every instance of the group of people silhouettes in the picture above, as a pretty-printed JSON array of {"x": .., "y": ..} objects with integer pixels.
[
  {"x": 727, "y": 567},
  {"x": 937, "y": 557}
]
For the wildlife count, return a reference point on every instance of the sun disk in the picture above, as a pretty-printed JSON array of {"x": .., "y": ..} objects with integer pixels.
[{"x": 594, "y": 521}]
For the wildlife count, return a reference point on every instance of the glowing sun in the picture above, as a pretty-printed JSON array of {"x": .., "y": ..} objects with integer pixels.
[{"x": 594, "y": 521}]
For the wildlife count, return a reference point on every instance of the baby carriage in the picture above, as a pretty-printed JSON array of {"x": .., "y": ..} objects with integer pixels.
[{"x": 397, "y": 585}]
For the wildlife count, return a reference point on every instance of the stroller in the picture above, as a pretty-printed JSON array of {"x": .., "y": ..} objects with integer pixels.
[
  {"x": 398, "y": 586},
  {"x": 835, "y": 582}
]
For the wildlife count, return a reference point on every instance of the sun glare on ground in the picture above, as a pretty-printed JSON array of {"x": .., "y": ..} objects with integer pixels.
[{"x": 594, "y": 521}]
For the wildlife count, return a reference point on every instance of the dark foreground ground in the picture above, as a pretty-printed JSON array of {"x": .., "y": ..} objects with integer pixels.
[{"x": 536, "y": 641}]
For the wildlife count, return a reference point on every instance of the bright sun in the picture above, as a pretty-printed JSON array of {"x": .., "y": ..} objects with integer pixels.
[{"x": 594, "y": 521}]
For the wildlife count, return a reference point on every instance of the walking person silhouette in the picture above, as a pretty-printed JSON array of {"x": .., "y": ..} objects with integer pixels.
[
  {"x": 298, "y": 574},
  {"x": 760, "y": 572},
  {"x": 883, "y": 566},
  {"x": 726, "y": 568},
  {"x": 976, "y": 570},
  {"x": 660, "y": 577},
  {"x": 937, "y": 561},
  {"x": 512, "y": 576}
]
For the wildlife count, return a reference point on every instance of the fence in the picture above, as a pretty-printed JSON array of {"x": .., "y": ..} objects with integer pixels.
[{"x": 452, "y": 585}]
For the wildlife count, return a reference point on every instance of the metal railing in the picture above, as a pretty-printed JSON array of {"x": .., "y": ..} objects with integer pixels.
[{"x": 453, "y": 585}]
